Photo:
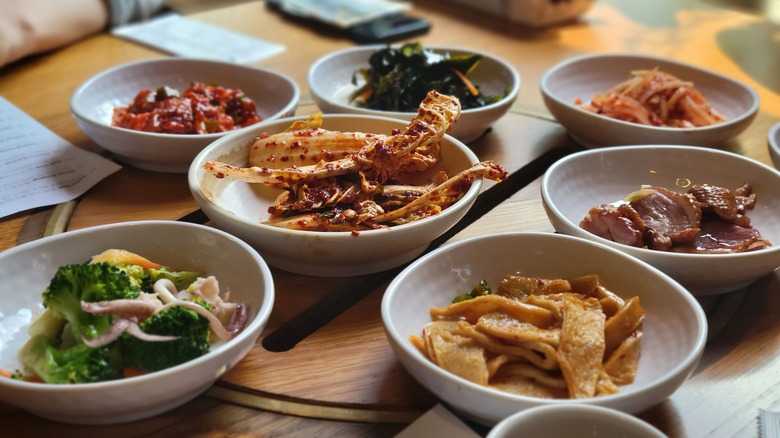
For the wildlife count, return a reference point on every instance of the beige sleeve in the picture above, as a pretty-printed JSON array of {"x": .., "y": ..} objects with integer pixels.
[{"x": 33, "y": 26}]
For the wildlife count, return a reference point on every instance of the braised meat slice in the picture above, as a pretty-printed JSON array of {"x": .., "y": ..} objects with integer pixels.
[
  {"x": 669, "y": 217},
  {"x": 717, "y": 200},
  {"x": 706, "y": 220},
  {"x": 720, "y": 237},
  {"x": 618, "y": 223}
]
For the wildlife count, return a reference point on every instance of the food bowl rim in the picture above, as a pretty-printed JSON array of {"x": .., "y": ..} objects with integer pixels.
[
  {"x": 82, "y": 89},
  {"x": 510, "y": 96},
  {"x": 195, "y": 187},
  {"x": 773, "y": 137},
  {"x": 552, "y": 95},
  {"x": 552, "y": 206},
  {"x": 261, "y": 318},
  {"x": 400, "y": 340},
  {"x": 604, "y": 412}
]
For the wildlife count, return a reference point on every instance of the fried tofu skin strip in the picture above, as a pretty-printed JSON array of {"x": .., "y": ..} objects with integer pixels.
[{"x": 539, "y": 337}]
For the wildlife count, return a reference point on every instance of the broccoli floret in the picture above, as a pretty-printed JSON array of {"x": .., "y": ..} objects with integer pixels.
[
  {"x": 193, "y": 340},
  {"x": 75, "y": 283},
  {"x": 138, "y": 275},
  {"x": 78, "y": 364},
  {"x": 181, "y": 279}
]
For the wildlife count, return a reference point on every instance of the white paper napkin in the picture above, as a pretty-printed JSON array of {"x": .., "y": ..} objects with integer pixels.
[{"x": 188, "y": 38}]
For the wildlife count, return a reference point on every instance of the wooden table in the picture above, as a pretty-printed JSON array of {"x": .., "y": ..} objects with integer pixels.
[{"x": 323, "y": 366}]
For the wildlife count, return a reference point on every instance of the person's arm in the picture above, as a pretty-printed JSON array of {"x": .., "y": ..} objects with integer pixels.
[{"x": 34, "y": 26}]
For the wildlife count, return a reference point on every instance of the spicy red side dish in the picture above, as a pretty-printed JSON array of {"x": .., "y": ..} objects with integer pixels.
[{"x": 201, "y": 109}]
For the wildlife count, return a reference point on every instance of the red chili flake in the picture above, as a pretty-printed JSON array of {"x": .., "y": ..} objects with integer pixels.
[{"x": 201, "y": 109}]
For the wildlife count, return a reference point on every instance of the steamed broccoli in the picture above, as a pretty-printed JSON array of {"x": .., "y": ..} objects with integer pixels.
[
  {"x": 77, "y": 364},
  {"x": 193, "y": 340},
  {"x": 181, "y": 279},
  {"x": 75, "y": 283},
  {"x": 138, "y": 275}
]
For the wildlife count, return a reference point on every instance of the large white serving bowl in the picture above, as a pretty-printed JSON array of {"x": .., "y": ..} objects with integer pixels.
[
  {"x": 93, "y": 103},
  {"x": 331, "y": 85},
  {"x": 240, "y": 208},
  {"x": 583, "y": 180},
  {"x": 27, "y": 269},
  {"x": 675, "y": 327},
  {"x": 773, "y": 141},
  {"x": 573, "y": 421},
  {"x": 582, "y": 77}
]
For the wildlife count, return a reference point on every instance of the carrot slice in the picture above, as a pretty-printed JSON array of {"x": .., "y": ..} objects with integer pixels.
[
  {"x": 472, "y": 89},
  {"x": 121, "y": 257}
]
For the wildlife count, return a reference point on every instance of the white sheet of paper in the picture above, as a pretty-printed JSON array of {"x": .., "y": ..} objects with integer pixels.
[
  {"x": 189, "y": 38},
  {"x": 438, "y": 422},
  {"x": 38, "y": 167}
]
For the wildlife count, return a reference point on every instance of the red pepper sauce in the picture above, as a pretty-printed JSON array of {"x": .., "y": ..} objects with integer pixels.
[{"x": 201, "y": 109}]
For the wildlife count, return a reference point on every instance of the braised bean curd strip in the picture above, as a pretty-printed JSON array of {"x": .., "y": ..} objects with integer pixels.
[
  {"x": 656, "y": 98},
  {"x": 549, "y": 338},
  {"x": 359, "y": 181}
]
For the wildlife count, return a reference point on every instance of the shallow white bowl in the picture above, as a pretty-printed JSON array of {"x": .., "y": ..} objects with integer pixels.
[
  {"x": 584, "y": 76},
  {"x": 92, "y": 105},
  {"x": 330, "y": 85},
  {"x": 239, "y": 208},
  {"x": 27, "y": 269},
  {"x": 773, "y": 140},
  {"x": 583, "y": 180},
  {"x": 675, "y": 327},
  {"x": 573, "y": 421}
]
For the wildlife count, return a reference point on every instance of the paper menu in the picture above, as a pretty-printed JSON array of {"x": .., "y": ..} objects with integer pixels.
[
  {"x": 189, "y": 38},
  {"x": 39, "y": 168}
]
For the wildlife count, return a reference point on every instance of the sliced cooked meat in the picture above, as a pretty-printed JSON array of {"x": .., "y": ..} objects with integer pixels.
[
  {"x": 621, "y": 224},
  {"x": 706, "y": 220},
  {"x": 746, "y": 200},
  {"x": 669, "y": 217},
  {"x": 716, "y": 200},
  {"x": 720, "y": 237}
]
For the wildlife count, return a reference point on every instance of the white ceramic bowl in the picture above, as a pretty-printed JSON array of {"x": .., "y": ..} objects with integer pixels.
[
  {"x": 584, "y": 76},
  {"x": 583, "y": 180},
  {"x": 92, "y": 105},
  {"x": 27, "y": 269},
  {"x": 674, "y": 333},
  {"x": 330, "y": 85},
  {"x": 773, "y": 140},
  {"x": 239, "y": 208},
  {"x": 573, "y": 421}
]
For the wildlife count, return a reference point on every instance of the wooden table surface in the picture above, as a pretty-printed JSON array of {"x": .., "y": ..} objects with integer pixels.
[{"x": 323, "y": 366}]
